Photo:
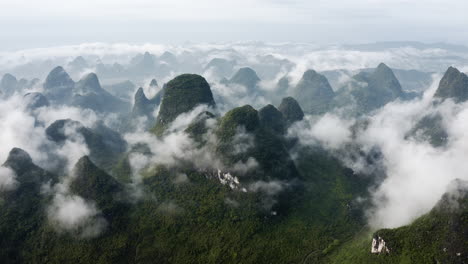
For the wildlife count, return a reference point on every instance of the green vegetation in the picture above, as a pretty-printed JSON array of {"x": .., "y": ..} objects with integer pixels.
[
  {"x": 182, "y": 214},
  {"x": 437, "y": 237},
  {"x": 194, "y": 221},
  {"x": 291, "y": 110},
  {"x": 181, "y": 95}
]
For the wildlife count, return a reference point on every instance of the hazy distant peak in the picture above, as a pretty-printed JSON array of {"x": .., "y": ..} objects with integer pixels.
[
  {"x": 310, "y": 74},
  {"x": 314, "y": 92},
  {"x": 140, "y": 94},
  {"x": 454, "y": 84},
  {"x": 58, "y": 78},
  {"x": 153, "y": 83},
  {"x": 245, "y": 76},
  {"x": 168, "y": 57},
  {"x": 9, "y": 77},
  {"x": 89, "y": 83},
  {"x": 78, "y": 62}
]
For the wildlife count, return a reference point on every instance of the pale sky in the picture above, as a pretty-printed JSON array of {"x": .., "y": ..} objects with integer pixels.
[{"x": 39, "y": 23}]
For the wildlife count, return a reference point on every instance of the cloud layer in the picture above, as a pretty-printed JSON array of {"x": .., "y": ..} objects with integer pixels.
[{"x": 416, "y": 173}]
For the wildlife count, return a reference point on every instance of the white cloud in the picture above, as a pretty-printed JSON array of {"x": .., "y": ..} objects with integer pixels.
[
  {"x": 7, "y": 179},
  {"x": 417, "y": 174},
  {"x": 329, "y": 130},
  {"x": 270, "y": 188},
  {"x": 73, "y": 213}
]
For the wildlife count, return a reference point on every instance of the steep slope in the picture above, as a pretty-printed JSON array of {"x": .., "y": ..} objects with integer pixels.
[
  {"x": 105, "y": 145},
  {"x": 313, "y": 93},
  {"x": 88, "y": 93},
  {"x": 35, "y": 100},
  {"x": 22, "y": 209},
  {"x": 247, "y": 78},
  {"x": 430, "y": 128},
  {"x": 92, "y": 183},
  {"x": 437, "y": 237},
  {"x": 142, "y": 106},
  {"x": 143, "y": 115},
  {"x": 242, "y": 127},
  {"x": 186, "y": 216},
  {"x": 453, "y": 85},
  {"x": 58, "y": 86},
  {"x": 369, "y": 91},
  {"x": 291, "y": 110},
  {"x": 272, "y": 119},
  {"x": 181, "y": 95},
  {"x": 153, "y": 83}
]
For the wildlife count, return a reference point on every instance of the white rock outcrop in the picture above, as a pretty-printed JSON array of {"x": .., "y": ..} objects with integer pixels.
[{"x": 378, "y": 246}]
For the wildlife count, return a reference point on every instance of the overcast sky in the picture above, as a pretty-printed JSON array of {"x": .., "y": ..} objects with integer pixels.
[{"x": 39, "y": 23}]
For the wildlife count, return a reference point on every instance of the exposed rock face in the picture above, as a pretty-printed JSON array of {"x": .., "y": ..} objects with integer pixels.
[
  {"x": 314, "y": 93},
  {"x": 271, "y": 118},
  {"x": 438, "y": 236},
  {"x": 35, "y": 100},
  {"x": 246, "y": 77},
  {"x": 229, "y": 180},
  {"x": 378, "y": 246},
  {"x": 291, "y": 110},
  {"x": 453, "y": 85},
  {"x": 182, "y": 94}
]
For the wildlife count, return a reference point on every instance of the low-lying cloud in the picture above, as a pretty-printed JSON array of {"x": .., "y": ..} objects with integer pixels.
[
  {"x": 73, "y": 213},
  {"x": 7, "y": 179},
  {"x": 417, "y": 173}
]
